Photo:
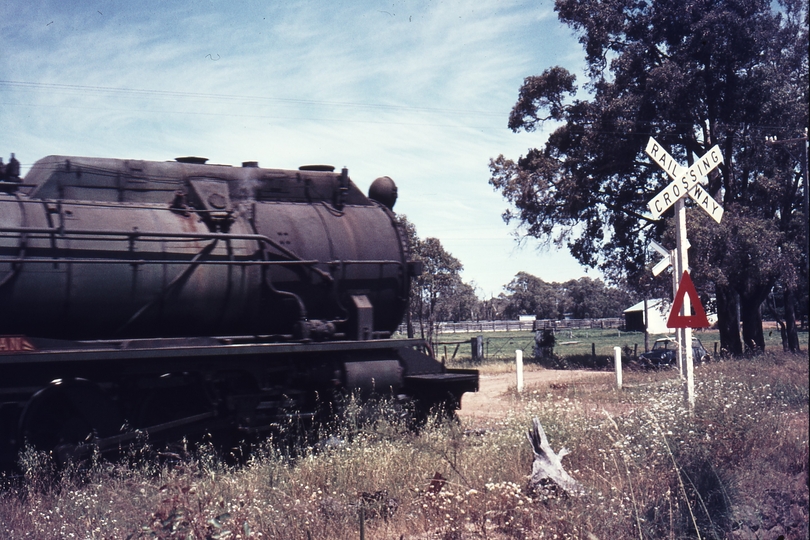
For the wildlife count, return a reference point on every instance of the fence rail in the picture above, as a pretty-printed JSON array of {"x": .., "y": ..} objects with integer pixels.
[{"x": 469, "y": 327}]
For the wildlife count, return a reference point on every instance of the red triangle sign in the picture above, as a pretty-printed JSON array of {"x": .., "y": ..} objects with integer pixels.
[{"x": 676, "y": 320}]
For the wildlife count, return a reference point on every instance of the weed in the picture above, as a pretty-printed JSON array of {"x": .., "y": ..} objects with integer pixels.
[{"x": 736, "y": 466}]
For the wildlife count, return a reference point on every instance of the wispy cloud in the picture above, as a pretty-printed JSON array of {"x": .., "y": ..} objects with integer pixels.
[{"x": 420, "y": 91}]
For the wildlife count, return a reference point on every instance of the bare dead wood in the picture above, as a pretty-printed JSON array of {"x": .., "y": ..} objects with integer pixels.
[{"x": 547, "y": 466}]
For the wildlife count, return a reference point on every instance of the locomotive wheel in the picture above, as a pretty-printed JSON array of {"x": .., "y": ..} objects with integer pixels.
[{"x": 66, "y": 414}]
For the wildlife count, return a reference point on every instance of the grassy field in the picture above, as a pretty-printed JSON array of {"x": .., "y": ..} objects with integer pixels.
[
  {"x": 501, "y": 346},
  {"x": 735, "y": 468}
]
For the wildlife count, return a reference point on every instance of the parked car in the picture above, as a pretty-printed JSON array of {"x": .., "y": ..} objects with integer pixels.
[{"x": 665, "y": 352}]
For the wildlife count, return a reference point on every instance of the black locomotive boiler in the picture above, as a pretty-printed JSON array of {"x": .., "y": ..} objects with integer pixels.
[{"x": 173, "y": 298}]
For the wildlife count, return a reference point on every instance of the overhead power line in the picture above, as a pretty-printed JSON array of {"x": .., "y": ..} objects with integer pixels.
[
  {"x": 141, "y": 92},
  {"x": 257, "y": 116}
]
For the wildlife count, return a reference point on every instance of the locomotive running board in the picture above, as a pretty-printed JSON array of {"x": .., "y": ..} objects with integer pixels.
[{"x": 95, "y": 351}]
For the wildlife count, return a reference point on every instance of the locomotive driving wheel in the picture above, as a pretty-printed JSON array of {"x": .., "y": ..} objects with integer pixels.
[{"x": 66, "y": 415}]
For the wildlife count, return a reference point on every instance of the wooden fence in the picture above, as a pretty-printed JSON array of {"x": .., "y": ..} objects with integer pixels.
[{"x": 470, "y": 327}]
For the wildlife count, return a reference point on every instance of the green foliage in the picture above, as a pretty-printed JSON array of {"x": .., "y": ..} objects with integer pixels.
[
  {"x": 438, "y": 293},
  {"x": 592, "y": 299},
  {"x": 530, "y": 295},
  {"x": 582, "y": 298}
]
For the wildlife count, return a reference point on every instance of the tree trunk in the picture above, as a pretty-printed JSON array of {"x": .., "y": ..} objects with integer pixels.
[
  {"x": 728, "y": 320},
  {"x": 547, "y": 467},
  {"x": 421, "y": 315},
  {"x": 779, "y": 322},
  {"x": 751, "y": 315},
  {"x": 790, "y": 321},
  {"x": 431, "y": 316}
]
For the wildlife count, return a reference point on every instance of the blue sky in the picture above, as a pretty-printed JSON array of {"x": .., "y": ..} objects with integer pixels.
[{"x": 418, "y": 91}]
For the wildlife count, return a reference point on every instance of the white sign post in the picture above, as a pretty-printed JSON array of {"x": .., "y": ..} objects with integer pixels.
[
  {"x": 617, "y": 363},
  {"x": 684, "y": 181},
  {"x": 685, "y": 360}
]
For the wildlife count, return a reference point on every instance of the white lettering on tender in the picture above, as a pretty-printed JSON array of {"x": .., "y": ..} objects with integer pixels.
[{"x": 11, "y": 344}]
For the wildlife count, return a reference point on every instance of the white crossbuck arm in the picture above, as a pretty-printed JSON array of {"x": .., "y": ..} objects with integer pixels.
[{"x": 684, "y": 181}]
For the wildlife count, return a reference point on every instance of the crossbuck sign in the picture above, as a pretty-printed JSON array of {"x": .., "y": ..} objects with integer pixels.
[{"x": 685, "y": 181}]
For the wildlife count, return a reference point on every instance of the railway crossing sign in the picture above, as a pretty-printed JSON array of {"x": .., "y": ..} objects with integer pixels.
[
  {"x": 684, "y": 180},
  {"x": 676, "y": 319}
]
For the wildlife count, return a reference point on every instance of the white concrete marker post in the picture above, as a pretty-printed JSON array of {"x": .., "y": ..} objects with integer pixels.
[
  {"x": 617, "y": 360},
  {"x": 519, "y": 370}
]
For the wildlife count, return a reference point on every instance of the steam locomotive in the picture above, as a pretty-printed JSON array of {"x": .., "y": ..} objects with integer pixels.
[{"x": 171, "y": 298}]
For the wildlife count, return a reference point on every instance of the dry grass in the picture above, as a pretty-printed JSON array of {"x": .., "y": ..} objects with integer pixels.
[{"x": 736, "y": 468}]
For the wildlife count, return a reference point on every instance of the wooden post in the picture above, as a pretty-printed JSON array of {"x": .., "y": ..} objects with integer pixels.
[
  {"x": 617, "y": 360},
  {"x": 477, "y": 345},
  {"x": 646, "y": 324},
  {"x": 519, "y": 370}
]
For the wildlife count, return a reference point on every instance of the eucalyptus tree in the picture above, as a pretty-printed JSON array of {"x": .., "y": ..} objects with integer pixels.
[
  {"x": 582, "y": 298},
  {"x": 691, "y": 73},
  {"x": 592, "y": 299},
  {"x": 530, "y": 295},
  {"x": 438, "y": 293}
]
